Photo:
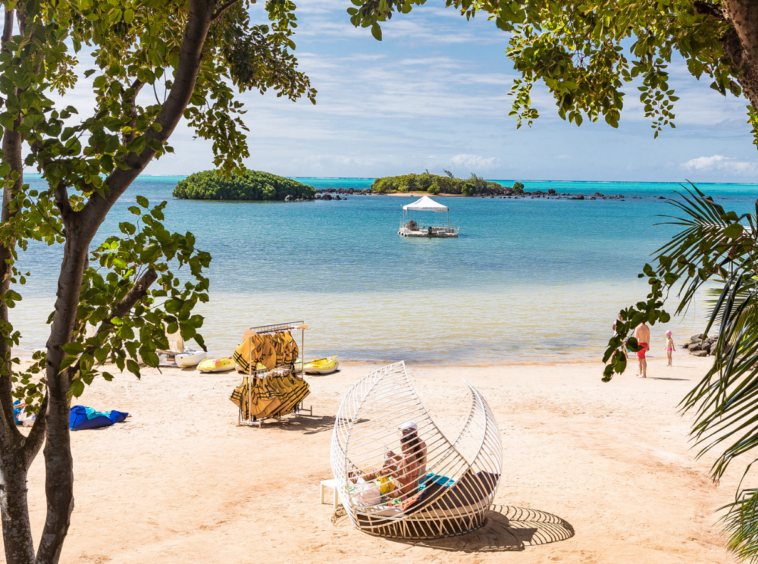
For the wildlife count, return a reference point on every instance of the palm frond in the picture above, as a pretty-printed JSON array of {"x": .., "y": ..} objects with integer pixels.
[{"x": 713, "y": 246}]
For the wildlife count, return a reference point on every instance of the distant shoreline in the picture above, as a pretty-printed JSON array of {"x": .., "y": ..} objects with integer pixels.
[{"x": 420, "y": 194}]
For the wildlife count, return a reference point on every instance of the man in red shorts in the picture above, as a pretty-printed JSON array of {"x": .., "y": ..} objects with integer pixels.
[{"x": 642, "y": 334}]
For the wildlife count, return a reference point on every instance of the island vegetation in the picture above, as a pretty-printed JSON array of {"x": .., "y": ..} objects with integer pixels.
[
  {"x": 252, "y": 185},
  {"x": 447, "y": 184}
]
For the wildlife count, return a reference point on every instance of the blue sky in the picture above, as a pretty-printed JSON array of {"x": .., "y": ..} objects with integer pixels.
[{"x": 433, "y": 94}]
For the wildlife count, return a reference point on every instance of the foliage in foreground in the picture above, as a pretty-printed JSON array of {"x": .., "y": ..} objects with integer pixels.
[
  {"x": 150, "y": 64},
  {"x": 436, "y": 184},
  {"x": 714, "y": 247},
  {"x": 250, "y": 185},
  {"x": 585, "y": 51}
]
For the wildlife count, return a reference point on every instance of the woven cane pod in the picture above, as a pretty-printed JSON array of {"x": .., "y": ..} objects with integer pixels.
[{"x": 461, "y": 476}]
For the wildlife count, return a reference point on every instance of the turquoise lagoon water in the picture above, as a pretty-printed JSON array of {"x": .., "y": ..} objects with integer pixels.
[{"x": 527, "y": 281}]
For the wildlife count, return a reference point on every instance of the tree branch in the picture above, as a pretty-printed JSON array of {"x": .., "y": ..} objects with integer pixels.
[
  {"x": 129, "y": 102},
  {"x": 7, "y": 28},
  {"x": 63, "y": 203},
  {"x": 122, "y": 308},
  {"x": 12, "y": 142},
  {"x": 710, "y": 10},
  {"x": 132, "y": 297},
  {"x": 185, "y": 78},
  {"x": 36, "y": 437},
  {"x": 220, "y": 12}
]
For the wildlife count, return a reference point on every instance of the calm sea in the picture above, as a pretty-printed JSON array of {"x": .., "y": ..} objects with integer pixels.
[{"x": 527, "y": 281}]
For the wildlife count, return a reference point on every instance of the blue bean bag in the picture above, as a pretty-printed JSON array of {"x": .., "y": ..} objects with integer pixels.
[
  {"x": 82, "y": 417},
  {"x": 16, "y": 412}
]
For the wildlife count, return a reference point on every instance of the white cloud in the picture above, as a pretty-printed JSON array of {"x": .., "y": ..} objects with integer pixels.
[
  {"x": 721, "y": 163},
  {"x": 474, "y": 161}
]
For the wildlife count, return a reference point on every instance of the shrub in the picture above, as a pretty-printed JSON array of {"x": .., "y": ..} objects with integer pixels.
[
  {"x": 425, "y": 181},
  {"x": 518, "y": 187},
  {"x": 469, "y": 189},
  {"x": 252, "y": 185}
]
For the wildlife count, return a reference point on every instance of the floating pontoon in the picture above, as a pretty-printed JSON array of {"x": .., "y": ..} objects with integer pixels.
[{"x": 411, "y": 228}]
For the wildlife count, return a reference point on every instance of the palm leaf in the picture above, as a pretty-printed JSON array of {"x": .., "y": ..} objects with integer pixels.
[{"x": 714, "y": 246}]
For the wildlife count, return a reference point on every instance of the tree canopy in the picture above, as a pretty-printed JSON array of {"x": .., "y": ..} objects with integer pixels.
[
  {"x": 437, "y": 184},
  {"x": 586, "y": 51},
  {"x": 250, "y": 185}
]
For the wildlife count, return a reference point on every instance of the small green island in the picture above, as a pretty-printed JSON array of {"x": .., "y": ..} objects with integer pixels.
[
  {"x": 252, "y": 185},
  {"x": 448, "y": 184}
]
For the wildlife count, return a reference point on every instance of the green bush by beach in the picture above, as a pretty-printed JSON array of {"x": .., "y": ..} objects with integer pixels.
[
  {"x": 253, "y": 185},
  {"x": 436, "y": 184}
]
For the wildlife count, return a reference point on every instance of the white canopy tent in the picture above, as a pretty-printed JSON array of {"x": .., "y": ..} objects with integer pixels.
[{"x": 425, "y": 203}]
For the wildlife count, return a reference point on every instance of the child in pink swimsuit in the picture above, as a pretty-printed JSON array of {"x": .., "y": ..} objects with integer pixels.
[{"x": 669, "y": 346}]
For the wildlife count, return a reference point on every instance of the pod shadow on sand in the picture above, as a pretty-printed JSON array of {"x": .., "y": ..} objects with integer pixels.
[{"x": 507, "y": 529}]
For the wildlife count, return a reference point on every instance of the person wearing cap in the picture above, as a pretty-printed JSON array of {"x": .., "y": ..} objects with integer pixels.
[
  {"x": 407, "y": 469},
  {"x": 670, "y": 348}
]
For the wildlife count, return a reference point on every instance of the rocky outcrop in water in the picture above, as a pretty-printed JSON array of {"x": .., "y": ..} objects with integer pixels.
[
  {"x": 698, "y": 346},
  {"x": 501, "y": 192}
]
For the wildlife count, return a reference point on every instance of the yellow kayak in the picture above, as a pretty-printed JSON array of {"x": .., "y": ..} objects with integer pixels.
[
  {"x": 259, "y": 367},
  {"x": 322, "y": 365},
  {"x": 216, "y": 365}
]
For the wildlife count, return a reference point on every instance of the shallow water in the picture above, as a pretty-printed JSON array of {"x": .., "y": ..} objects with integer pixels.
[{"x": 527, "y": 281}]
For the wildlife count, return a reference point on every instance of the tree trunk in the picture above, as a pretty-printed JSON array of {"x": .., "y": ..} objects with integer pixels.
[
  {"x": 17, "y": 534},
  {"x": 59, "y": 464},
  {"x": 741, "y": 44},
  {"x": 80, "y": 229},
  {"x": 14, "y": 458}
]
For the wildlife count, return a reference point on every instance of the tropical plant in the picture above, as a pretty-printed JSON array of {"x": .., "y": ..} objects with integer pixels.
[
  {"x": 713, "y": 247},
  {"x": 155, "y": 62},
  {"x": 584, "y": 52},
  {"x": 518, "y": 187},
  {"x": 434, "y": 189},
  {"x": 247, "y": 185},
  {"x": 447, "y": 184}
]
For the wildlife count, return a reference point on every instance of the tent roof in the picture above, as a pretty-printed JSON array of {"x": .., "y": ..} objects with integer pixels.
[{"x": 425, "y": 203}]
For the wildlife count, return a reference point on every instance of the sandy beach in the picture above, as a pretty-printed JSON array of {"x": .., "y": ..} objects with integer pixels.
[{"x": 604, "y": 470}]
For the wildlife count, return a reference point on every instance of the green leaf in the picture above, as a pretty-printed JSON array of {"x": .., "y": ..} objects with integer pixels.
[
  {"x": 141, "y": 200},
  {"x": 734, "y": 230},
  {"x": 73, "y": 348},
  {"x": 68, "y": 361},
  {"x": 376, "y": 31},
  {"x": 77, "y": 388},
  {"x": 86, "y": 362}
]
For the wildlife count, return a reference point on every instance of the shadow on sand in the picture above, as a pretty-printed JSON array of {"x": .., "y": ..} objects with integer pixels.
[
  {"x": 304, "y": 422},
  {"x": 506, "y": 529},
  {"x": 671, "y": 379}
]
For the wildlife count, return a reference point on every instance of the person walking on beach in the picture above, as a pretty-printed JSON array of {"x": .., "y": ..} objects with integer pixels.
[
  {"x": 642, "y": 334},
  {"x": 670, "y": 348}
]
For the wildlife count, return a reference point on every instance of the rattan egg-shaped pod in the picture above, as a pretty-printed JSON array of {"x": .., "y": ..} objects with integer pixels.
[{"x": 460, "y": 479}]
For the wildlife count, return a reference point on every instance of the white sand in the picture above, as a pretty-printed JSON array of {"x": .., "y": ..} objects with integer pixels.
[{"x": 181, "y": 482}]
